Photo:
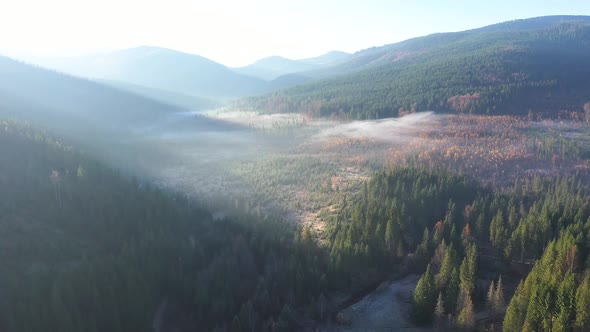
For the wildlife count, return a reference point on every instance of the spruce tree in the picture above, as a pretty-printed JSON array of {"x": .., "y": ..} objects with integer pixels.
[
  {"x": 452, "y": 292},
  {"x": 423, "y": 250},
  {"x": 424, "y": 299},
  {"x": 583, "y": 305},
  {"x": 446, "y": 269},
  {"x": 468, "y": 270},
  {"x": 565, "y": 303}
]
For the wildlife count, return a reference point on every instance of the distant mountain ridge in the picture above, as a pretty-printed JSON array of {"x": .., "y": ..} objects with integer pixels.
[
  {"x": 189, "y": 74},
  {"x": 273, "y": 67},
  {"x": 161, "y": 68},
  {"x": 539, "y": 65},
  {"x": 75, "y": 107},
  {"x": 481, "y": 70}
]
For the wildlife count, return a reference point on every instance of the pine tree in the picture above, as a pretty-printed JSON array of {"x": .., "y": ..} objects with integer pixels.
[
  {"x": 423, "y": 250},
  {"x": 450, "y": 215},
  {"x": 565, "y": 303},
  {"x": 462, "y": 300},
  {"x": 466, "y": 318},
  {"x": 439, "y": 310},
  {"x": 424, "y": 298},
  {"x": 491, "y": 298},
  {"x": 446, "y": 269},
  {"x": 452, "y": 292},
  {"x": 497, "y": 231},
  {"x": 540, "y": 309},
  {"x": 439, "y": 254},
  {"x": 583, "y": 305},
  {"x": 468, "y": 270},
  {"x": 499, "y": 297}
]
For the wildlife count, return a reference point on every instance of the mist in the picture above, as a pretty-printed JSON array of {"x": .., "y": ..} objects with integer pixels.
[{"x": 394, "y": 130}]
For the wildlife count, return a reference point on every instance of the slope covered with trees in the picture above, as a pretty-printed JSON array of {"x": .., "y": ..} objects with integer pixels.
[
  {"x": 85, "y": 249},
  {"x": 467, "y": 238},
  {"x": 536, "y": 65}
]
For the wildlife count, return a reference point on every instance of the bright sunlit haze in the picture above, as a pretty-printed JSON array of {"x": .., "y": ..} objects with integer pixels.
[{"x": 237, "y": 33}]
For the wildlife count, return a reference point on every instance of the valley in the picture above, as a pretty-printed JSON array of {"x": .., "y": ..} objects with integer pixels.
[
  {"x": 440, "y": 182},
  {"x": 287, "y": 167}
]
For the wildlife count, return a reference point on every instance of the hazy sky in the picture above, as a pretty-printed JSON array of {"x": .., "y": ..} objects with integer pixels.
[{"x": 239, "y": 32}]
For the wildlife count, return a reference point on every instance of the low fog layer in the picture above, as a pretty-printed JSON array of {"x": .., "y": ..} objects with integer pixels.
[
  {"x": 385, "y": 130},
  {"x": 197, "y": 161}
]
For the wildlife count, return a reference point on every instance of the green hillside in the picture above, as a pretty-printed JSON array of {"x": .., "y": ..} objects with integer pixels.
[
  {"x": 85, "y": 249},
  {"x": 538, "y": 65}
]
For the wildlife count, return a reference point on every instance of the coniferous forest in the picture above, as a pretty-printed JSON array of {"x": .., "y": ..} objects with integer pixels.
[
  {"x": 86, "y": 248},
  {"x": 481, "y": 71}
]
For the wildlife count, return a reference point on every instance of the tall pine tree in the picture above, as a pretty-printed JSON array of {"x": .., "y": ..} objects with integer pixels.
[{"x": 424, "y": 299}]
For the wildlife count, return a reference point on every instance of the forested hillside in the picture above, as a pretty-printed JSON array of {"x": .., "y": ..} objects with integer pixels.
[
  {"x": 467, "y": 238},
  {"x": 85, "y": 249},
  {"x": 537, "y": 65}
]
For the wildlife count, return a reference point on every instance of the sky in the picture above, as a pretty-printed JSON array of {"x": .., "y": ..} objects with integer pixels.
[{"x": 238, "y": 32}]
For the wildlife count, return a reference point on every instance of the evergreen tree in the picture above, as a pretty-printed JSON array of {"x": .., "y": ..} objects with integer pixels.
[
  {"x": 452, "y": 292},
  {"x": 566, "y": 297},
  {"x": 439, "y": 313},
  {"x": 583, "y": 305},
  {"x": 468, "y": 270},
  {"x": 424, "y": 299},
  {"x": 491, "y": 298},
  {"x": 439, "y": 254},
  {"x": 446, "y": 269},
  {"x": 499, "y": 297},
  {"x": 498, "y": 232},
  {"x": 439, "y": 310},
  {"x": 466, "y": 318},
  {"x": 390, "y": 244},
  {"x": 423, "y": 250}
]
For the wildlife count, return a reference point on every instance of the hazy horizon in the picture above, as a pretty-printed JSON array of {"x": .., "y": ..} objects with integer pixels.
[{"x": 239, "y": 33}]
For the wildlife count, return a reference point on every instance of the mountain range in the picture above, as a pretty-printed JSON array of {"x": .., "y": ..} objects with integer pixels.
[
  {"x": 531, "y": 65},
  {"x": 163, "y": 69},
  {"x": 171, "y": 71},
  {"x": 275, "y": 66},
  {"x": 88, "y": 111}
]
